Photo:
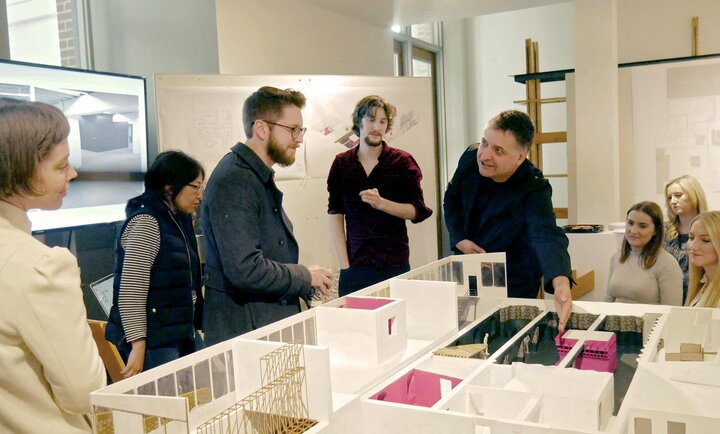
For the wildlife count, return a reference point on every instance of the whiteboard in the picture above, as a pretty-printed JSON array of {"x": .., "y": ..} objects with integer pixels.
[
  {"x": 676, "y": 126},
  {"x": 202, "y": 115}
]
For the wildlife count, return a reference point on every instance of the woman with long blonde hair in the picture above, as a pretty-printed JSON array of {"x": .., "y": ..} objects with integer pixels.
[
  {"x": 684, "y": 200},
  {"x": 703, "y": 249}
]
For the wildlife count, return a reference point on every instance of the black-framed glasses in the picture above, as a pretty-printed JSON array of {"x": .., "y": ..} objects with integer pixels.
[{"x": 296, "y": 132}]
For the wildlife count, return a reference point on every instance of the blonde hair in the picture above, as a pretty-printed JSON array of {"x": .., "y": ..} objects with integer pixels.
[
  {"x": 695, "y": 194},
  {"x": 711, "y": 221}
]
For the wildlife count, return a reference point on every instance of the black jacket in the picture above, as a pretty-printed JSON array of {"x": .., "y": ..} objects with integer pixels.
[
  {"x": 518, "y": 220},
  {"x": 174, "y": 276}
]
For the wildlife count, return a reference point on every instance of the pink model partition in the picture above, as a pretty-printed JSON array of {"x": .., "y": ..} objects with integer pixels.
[
  {"x": 366, "y": 303},
  {"x": 417, "y": 387},
  {"x": 596, "y": 355}
]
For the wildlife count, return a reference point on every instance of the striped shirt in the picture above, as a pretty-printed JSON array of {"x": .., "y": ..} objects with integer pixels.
[{"x": 141, "y": 242}]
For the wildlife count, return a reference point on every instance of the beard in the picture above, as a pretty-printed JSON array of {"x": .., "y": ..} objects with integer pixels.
[
  {"x": 278, "y": 154},
  {"x": 369, "y": 141}
]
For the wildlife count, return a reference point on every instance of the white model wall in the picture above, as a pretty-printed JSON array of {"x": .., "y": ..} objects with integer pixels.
[{"x": 295, "y": 37}]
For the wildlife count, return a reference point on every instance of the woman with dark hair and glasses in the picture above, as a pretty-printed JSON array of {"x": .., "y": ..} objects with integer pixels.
[
  {"x": 642, "y": 271},
  {"x": 157, "y": 298}
]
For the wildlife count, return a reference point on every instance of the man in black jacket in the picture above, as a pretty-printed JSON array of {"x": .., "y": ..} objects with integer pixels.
[{"x": 497, "y": 201}]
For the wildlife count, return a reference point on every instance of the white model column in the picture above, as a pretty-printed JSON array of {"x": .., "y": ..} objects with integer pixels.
[{"x": 593, "y": 164}]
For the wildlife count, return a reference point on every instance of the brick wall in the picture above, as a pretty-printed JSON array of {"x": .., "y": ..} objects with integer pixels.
[{"x": 66, "y": 31}]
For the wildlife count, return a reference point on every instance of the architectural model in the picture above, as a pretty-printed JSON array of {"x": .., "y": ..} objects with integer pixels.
[
  {"x": 373, "y": 363},
  {"x": 279, "y": 406}
]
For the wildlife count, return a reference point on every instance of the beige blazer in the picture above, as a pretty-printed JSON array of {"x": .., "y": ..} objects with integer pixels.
[{"x": 49, "y": 362}]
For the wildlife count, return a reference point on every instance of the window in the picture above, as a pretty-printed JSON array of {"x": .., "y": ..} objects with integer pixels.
[
  {"x": 33, "y": 31},
  {"x": 398, "y": 58},
  {"x": 417, "y": 52},
  {"x": 426, "y": 32},
  {"x": 423, "y": 62},
  {"x": 44, "y": 31}
]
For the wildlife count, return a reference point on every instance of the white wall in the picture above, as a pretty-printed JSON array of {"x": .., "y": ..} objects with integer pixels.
[
  {"x": 495, "y": 51},
  {"x": 144, "y": 37},
  {"x": 660, "y": 29},
  {"x": 502, "y": 37},
  {"x": 594, "y": 170},
  {"x": 655, "y": 29},
  {"x": 294, "y": 37}
]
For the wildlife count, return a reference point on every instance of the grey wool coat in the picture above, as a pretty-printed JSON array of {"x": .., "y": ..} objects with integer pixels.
[{"x": 251, "y": 270}]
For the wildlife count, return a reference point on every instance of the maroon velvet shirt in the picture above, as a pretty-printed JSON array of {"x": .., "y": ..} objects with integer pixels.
[{"x": 376, "y": 239}]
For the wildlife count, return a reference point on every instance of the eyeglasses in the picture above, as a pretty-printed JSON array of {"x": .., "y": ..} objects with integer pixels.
[
  {"x": 296, "y": 132},
  {"x": 199, "y": 188}
]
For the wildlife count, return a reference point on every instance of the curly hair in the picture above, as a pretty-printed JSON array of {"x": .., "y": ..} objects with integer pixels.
[{"x": 367, "y": 106}]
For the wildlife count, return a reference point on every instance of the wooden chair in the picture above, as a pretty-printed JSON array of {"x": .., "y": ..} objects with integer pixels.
[{"x": 108, "y": 353}]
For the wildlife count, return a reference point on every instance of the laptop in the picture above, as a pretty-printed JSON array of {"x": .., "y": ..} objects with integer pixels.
[{"x": 103, "y": 291}]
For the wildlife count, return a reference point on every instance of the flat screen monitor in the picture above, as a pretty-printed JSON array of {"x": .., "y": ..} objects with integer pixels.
[{"x": 108, "y": 137}]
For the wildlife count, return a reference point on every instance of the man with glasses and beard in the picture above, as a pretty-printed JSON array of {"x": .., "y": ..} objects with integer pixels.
[
  {"x": 251, "y": 255},
  {"x": 373, "y": 189}
]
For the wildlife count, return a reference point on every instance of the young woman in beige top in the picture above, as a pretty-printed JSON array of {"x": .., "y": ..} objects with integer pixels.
[{"x": 642, "y": 271}]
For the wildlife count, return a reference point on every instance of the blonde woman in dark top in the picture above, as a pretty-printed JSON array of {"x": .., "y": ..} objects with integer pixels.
[
  {"x": 684, "y": 200},
  {"x": 703, "y": 248}
]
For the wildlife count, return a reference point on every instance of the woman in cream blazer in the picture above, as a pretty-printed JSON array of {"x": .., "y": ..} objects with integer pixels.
[{"x": 48, "y": 360}]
